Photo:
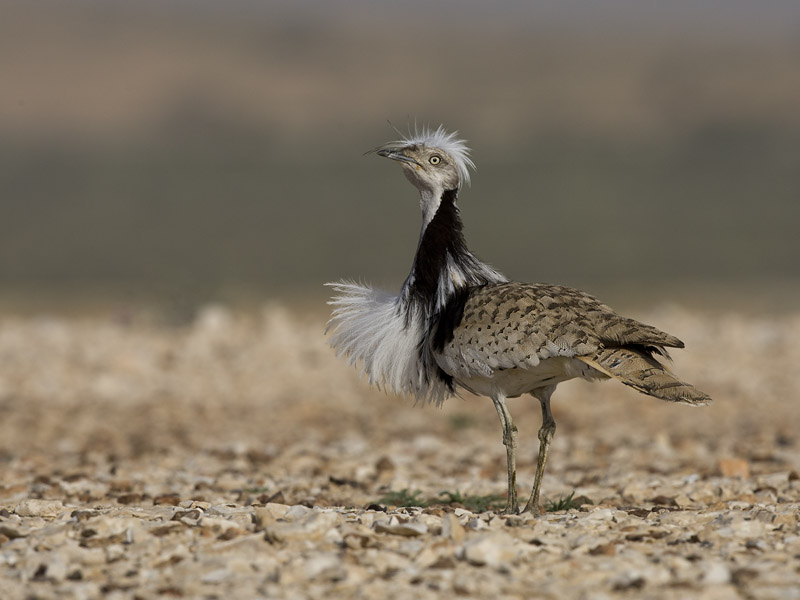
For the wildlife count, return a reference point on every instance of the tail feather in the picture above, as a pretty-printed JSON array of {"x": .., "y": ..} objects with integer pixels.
[{"x": 644, "y": 373}]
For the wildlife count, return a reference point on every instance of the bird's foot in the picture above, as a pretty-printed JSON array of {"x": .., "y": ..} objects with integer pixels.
[
  {"x": 535, "y": 510},
  {"x": 512, "y": 508}
]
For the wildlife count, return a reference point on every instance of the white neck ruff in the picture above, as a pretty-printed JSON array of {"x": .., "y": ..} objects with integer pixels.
[{"x": 384, "y": 334}]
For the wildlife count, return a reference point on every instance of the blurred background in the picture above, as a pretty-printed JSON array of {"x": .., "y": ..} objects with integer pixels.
[
  {"x": 178, "y": 178},
  {"x": 182, "y": 152}
]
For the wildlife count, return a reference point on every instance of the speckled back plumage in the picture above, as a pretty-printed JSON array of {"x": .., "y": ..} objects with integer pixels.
[{"x": 518, "y": 325}]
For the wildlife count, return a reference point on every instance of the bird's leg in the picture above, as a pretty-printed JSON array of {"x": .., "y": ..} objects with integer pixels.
[
  {"x": 545, "y": 436},
  {"x": 510, "y": 442}
]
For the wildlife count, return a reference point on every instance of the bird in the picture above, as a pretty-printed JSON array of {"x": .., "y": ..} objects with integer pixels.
[{"x": 459, "y": 324}]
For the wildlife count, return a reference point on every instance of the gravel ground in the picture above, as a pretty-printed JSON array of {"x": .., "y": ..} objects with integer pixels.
[{"x": 236, "y": 457}]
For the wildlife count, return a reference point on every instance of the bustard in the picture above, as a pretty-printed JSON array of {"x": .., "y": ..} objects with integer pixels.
[{"x": 458, "y": 323}]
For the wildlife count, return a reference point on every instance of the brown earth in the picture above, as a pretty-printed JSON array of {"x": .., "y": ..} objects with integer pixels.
[{"x": 237, "y": 457}]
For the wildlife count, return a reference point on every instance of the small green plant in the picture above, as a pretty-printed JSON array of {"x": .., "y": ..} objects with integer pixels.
[
  {"x": 476, "y": 504},
  {"x": 403, "y": 498},
  {"x": 565, "y": 503},
  {"x": 257, "y": 490}
]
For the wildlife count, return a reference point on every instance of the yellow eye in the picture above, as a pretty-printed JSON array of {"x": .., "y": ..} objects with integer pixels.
[{"x": 434, "y": 160}]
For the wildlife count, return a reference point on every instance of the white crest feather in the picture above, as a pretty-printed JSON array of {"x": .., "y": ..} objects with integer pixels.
[{"x": 449, "y": 142}]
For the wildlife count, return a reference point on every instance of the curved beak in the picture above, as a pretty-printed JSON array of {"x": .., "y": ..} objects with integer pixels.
[{"x": 396, "y": 155}]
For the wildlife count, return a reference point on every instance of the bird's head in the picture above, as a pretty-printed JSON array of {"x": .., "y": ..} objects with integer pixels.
[{"x": 433, "y": 160}]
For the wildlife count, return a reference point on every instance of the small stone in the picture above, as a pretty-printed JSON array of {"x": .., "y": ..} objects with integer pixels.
[
  {"x": 332, "y": 536},
  {"x": 13, "y": 530},
  {"x": 39, "y": 508},
  {"x": 357, "y": 536},
  {"x": 172, "y": 555},
  {"x": 475, "y": 524},
  {"x": 188, "y": 517},
  {"x": 218, "y": 525},
  {"x": 635, "y": 493},
  {"x": 384, "y": 464},
  {"x": 217, "y": 576},
  {"x": 368, "y": 517},
  {"x": 747, "y": 529},
  {"x": 410, "y": 529},
  {"x": 435, "y": 511},
  {"x": 314, "y": 526},
  {"x": 756, "y": 545},
  {"x": 83, "y": 515},
  {"x": 434, "y": 552},
  {"x": 765, "y": 516},
  {"x": 296, "y": 512},
  {"x": 716, "y": 573},
  {"x": 663, "y": 500},
  {"x": 220, "y": 510},
  {"x": 493, "y": 549},
  {"x": 600, "y": 515},
  {"x": 324, "y": 567},
  {"x": 604, "y": 550},
  {"x": 122, "y": 485},
  {"x": 774, "y": 480},
  {"x": 132, "y": 498},
  {"x": 230, "y": 481},
  {"x": 162, "y": 529},
  {"x": 628, "y": 581},
  {"x": 452, "y": 529},
  {"x": 766, "y": 496},
  {"x": 168, "y": 499},
  {"x": 445, "y": 562},
  {"x": 262, "y": 517},
  {"x": 274, "y": 498},
  {"x": 734, "y": 467},
  {"x": 106, "y": 529},
  {"x": 432, "y": 522},
  {"x": 114, "y": 552},
  {"x": 78, "y": 555},
  {"x": 224, "y": 510},
  {"x": 51, "y": 567},
  {"x": 275, "y": 510}
]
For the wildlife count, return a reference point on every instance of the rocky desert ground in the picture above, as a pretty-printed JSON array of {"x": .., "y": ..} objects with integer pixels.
[{"x": 235, "y": 456}]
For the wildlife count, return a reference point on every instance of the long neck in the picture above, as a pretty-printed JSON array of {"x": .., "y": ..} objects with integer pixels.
[{"x": 443, "y": 265}]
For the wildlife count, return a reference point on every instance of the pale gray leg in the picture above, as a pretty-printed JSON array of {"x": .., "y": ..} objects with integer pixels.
[
  {"x": 510, "y": 442},
  {"x": 545, "y": 436}
]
